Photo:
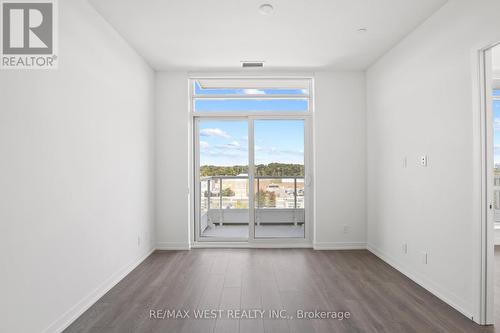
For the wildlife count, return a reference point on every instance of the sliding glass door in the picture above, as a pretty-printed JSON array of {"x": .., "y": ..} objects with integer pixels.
[
  {"x": 279, "y": 178},
  {"x": 223, "y": 179},
  {"x": 237, "y": 157}
]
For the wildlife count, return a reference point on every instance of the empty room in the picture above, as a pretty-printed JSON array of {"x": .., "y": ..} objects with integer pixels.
[{"x": 304, "y": 166}]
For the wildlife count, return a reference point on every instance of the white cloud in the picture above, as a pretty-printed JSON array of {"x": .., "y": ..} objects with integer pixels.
[
  {"x": 204, "y": 145},
  {"x": 496, "y": 124},
  {"x": 218, "y": 153},
  {"x": 214, "y": 132},
  {"x": 279, "y": 151},
  {"x": 254, "y": 92},
  {"x": 234, "y": 145}
]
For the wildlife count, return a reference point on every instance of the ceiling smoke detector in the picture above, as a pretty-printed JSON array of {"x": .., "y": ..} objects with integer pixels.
[
  {"x": 266, "y": 9},
  {"x": 252, "y": 64}
]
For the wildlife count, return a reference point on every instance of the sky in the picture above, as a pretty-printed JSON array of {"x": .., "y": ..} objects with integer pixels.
[
  {"x": 218, "y": 91},
  {"x": 238, "y": 105},
  {"x": 225, "y": 142},
  {"x": 254, "y": 104}
]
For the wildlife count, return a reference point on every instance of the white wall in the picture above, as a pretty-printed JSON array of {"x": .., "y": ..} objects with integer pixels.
[
  {"x": 340, "y": 149},
  {"x": 75, "y": 174},
  {"x": 340, "y": 164},
  {"x": 172, "y": 161},
  {"x": 420, "y": 101}
]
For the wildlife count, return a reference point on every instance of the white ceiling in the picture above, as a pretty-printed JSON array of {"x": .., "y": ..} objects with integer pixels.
[{"x": 218, "y": 34}]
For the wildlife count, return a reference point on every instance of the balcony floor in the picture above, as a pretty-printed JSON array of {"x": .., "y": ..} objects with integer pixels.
[{"x": 261, "y": 231}]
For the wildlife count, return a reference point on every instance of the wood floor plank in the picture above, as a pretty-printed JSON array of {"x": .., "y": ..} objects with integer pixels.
[{"x": 378, "y": 298}]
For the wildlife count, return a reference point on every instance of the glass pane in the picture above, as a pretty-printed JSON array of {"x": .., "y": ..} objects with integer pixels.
[
  {"x": 248, "y": 88},
  {"x": 214, "y": 194},
  {"x": 279, "y": 178},
  {"x": 224, "y": 188},
  {"x": 275, "y": 193},
  {"x": 300, "y": 193},
  {"x": 251, "y": 105},
  {"x": 205, "y": 195},
  {"x": 235, "y": 193}
]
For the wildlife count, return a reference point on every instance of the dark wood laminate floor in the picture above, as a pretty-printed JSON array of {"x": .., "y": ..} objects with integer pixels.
[{"x": 379, "y": 298}]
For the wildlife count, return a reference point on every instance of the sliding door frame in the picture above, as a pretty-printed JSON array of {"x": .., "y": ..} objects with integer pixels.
[
  {"x": 308, "y": 184},
  {"x": 250, "y": 117},
  {"x": 483, "y": 199},
  {"x": 308, "y": 175},
  {"x": 197, "y": 187}
]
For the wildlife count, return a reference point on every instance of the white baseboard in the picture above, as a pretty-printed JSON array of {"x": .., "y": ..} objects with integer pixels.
[
  {"x": 61, "y": 323},
  {"x": 339, "y": 246},
  {"x": 439, "y": 291},
  {"x": 173, "y": 246}
]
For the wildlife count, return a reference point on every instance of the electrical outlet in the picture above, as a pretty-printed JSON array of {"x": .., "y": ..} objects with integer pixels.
[
  {"x": 424, "y": 258},
  {"x": 346, "y": 229},
  {"x": 138, "y": 241},
  {"x": 405, "y": 162},
  {"x": 404, "y": 248},
  {"x": 423, "y": 161}
]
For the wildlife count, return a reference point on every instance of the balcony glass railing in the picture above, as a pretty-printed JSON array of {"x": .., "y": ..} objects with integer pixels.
[{"x": 232, "y": 192}]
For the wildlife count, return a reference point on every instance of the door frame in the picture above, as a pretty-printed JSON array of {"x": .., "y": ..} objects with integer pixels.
[
  {"x": 251, "y": 242},
  {"x": 308, "y": 183},
  {"x": 196, "y": 177},
  {"x": 483, "y": 184}
]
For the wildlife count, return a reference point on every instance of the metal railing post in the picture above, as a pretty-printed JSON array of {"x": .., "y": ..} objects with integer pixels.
[
  {"x": 257, "y": 215},
  {"x": 258, "y": 190},
  {"x": 220, "y": 202},
  {"x": 209, "y": 194},
  {"x": 295, "y": 201},
  {"x": 295, "y": 193}
]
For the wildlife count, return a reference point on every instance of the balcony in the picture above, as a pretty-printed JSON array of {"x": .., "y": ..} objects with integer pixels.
[
  {"x": 279, "y": 207},
  {"x": 496, "y": 194}
]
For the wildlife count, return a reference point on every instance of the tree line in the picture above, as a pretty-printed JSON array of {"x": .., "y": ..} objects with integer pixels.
[{"x": 271, "y": 169}]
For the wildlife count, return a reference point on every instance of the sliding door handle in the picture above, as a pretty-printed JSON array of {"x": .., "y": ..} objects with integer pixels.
[{"x": 308, "y": 180}]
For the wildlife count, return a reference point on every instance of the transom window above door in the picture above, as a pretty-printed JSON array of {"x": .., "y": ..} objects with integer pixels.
[{"x": 251, "y": 95}]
